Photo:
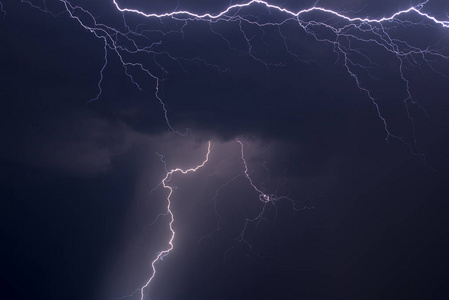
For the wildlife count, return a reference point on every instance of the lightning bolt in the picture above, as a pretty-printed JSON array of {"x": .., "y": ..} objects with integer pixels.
[
  {"x": 165, "y": 185},
  {"x": 267, "y": 200},
  {"x": 224, "y": 13}
]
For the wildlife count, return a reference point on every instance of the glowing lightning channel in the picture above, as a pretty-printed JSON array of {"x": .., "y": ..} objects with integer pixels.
[
  {"x": 165, "y": 252},
  {"x": 286, "y": 11}
]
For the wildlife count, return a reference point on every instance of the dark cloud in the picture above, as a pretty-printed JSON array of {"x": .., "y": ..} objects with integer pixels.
[{"x": 77, "y": 144}]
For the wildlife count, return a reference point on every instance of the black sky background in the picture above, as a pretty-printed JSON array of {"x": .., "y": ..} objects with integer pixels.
[{"x": 76, "y": 177}]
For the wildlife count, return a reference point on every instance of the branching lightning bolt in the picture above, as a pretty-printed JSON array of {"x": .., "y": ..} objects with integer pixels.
[
  {"x": 165, "y": 185},
  {"x": 266, "y": 200},
  {"x": 342, "y": 31}
]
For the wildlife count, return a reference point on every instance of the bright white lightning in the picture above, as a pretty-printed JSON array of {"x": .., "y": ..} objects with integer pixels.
[
  {"x": 224, "y": 13},
  {"x": 165, "y": 252}
]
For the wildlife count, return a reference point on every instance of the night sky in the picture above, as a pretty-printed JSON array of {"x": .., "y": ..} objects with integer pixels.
[{"x": 79, "y": 178}]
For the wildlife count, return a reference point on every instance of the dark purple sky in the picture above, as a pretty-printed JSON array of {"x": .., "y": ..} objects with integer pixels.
[{"x": 77, "y": 177}]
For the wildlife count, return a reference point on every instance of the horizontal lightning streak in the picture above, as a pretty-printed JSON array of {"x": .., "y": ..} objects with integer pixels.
[{"x": 416, "y": 9}]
